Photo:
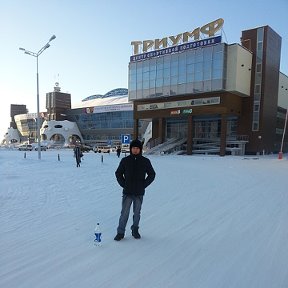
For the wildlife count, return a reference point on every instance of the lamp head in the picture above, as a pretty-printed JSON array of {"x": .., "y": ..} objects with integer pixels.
[{"x": 52, "y": 38}]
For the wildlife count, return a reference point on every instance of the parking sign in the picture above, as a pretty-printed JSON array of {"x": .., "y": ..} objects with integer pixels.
[{"x": 125, "y": 139}]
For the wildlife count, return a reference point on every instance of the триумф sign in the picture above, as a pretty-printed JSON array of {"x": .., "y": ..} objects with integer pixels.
[{"x": 147, "y": 45}]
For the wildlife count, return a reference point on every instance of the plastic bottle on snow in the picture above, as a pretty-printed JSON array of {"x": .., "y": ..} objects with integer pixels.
[{"x": 98, "y": 234}]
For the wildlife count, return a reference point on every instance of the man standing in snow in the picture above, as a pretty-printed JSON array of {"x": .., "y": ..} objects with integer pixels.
[{"x": 134, "y": 174}]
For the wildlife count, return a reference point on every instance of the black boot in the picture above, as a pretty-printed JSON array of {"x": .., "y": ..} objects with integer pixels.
[
  {"x": 119, "y": 237},
  {"x": 135, "y": 233}
]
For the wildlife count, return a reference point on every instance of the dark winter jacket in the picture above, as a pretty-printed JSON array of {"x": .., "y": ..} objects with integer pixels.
[{"x": 131, "y": 174}]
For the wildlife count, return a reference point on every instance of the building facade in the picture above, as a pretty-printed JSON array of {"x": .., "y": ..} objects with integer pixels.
[
  {"x": 57, "y": 103},
  {"x": 16, "y": 109},
  {"x": 261, "y": 107},
  {"x": 103, "y": 119},
  {"x": 222, "y": 98},
  {"x": 27, "y": 126}
]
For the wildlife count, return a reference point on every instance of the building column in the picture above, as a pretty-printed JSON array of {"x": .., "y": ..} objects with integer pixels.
[
  {"x": 223, "y": 135},
  {"x": 162, "y": 129},
  {"x": 136, "y": 129},
  {"x": 190, "y": 135}
]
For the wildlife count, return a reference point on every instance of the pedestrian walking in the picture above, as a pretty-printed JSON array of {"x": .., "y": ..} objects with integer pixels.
[
  {"x": 78, "y": 154},
  {"x": 134, "y": 173},
  {"x": 118, "y": 151}
]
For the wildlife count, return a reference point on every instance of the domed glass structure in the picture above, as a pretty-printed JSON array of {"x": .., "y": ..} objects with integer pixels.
[
  {"x": 112, "y": 93},
  {"x": 116, "y": 92}
]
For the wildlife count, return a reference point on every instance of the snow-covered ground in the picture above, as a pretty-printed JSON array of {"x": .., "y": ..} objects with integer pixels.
[{"x": 207, "y": 222}]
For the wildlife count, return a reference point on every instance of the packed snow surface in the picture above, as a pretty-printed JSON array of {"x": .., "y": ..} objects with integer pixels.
[{"x": 207, "y": 222}]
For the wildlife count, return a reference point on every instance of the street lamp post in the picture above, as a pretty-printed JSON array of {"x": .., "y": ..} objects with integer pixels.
[
  {"x": 47, "y": 45},
  {"x": 259, "y": 145}
]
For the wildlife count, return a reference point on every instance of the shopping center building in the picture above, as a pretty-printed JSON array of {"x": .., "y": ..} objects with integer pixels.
[
  {"x": 221, "y": 98},
  {"x": 104, "y": 118}
]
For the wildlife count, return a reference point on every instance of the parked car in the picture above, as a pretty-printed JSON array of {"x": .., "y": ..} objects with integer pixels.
[
  {"x": 86, "y": 148},
  {"x": 125, "y": 148},
  {"x": 25, "y": 147},
  {"x": 42, "y": 148},
  {"x": 102, "y": 149}
]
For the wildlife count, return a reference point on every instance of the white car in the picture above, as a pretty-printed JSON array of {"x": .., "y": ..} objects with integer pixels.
[
  {"x": 25, "y": 147},
  {"x": 102, "y": 149},
  {"x": 125, "y": 148}
]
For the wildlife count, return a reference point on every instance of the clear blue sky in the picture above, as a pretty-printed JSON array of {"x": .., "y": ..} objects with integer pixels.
[{"x": 91, "y": 52}]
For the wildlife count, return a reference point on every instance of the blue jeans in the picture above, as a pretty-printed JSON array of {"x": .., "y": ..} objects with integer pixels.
[{"x": 126, "y": 204}]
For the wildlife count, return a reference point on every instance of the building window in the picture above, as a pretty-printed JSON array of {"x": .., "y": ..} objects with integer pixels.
[
  {"x": 257, "y": 89},
  {"x": 256, "y": 107},
  {"x": 198, "y": 68},
  {"x": 255, "y": 126},
  {"x": 259, "y": 67},
  {"x": 258, "y": 79}
]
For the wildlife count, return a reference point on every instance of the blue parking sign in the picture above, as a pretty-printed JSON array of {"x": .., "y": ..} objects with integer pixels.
[{"x": 125, "y": 139}]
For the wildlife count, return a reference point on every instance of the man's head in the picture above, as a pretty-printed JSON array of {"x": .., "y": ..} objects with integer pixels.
[{"x": 135, "y": 147}]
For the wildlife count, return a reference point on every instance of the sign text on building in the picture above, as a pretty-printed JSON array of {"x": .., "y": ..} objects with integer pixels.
[
  {"x": 208, "y": 30},
  {"x": 109, "y": 108},
  {"x": 179, "y": 104},
  {"x": 175, "y": 49}
]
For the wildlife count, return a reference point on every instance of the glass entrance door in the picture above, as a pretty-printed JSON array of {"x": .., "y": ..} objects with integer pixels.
[{"x": 176, "y": 128}]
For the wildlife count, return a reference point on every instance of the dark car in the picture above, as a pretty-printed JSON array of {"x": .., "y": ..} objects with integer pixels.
[
  {"x": 86, "y": 148},
  {"x": 42, "y": 148}
]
